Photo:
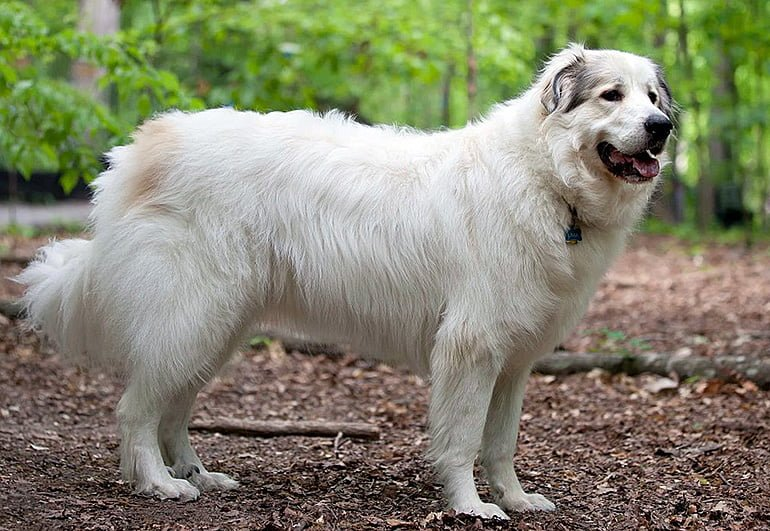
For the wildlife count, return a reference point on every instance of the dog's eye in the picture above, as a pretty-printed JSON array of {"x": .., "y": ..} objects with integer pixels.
[
  {"x": 653, "y": 97},
  {"x": 612, "y": 95}
]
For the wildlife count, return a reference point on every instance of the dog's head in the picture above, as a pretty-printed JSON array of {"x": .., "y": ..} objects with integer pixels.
[{"x": 612, "y": 109}]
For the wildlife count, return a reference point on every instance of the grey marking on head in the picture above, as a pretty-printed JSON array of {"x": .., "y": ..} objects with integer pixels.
[
  {"x": 586, "y": 81},
  {"x": 573, "y": 85},
  {"x": 560, "y": 86}
]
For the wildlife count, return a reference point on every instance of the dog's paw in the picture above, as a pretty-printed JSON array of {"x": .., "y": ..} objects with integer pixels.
[
  {"x": 173, "y": 489},
  {"x": 484, "y": 510},
  {"x": 204, "y": 480},
  {"x": 528, "y": 502},
  {"x": 213, "y": 481}
]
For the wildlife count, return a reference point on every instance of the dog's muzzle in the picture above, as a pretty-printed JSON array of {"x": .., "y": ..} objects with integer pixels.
[{"x": 643, "y": 166}]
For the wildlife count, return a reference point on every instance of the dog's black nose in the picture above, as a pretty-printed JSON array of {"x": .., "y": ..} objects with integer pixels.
[{"x": 658, "y": 126}]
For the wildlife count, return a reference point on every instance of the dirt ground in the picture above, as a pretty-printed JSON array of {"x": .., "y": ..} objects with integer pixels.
[{"x": 613, "y": 452}]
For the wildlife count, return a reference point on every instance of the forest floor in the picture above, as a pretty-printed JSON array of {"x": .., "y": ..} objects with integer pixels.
[{"x": 612, "y": 451}]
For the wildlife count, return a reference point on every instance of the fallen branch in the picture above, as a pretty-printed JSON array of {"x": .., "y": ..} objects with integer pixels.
[
  {"x": 726, "y": 368},
  {"x": 719, "y": 367},
  {"x": 15, "y": 260},
  {"x": 274, "y": 428}
]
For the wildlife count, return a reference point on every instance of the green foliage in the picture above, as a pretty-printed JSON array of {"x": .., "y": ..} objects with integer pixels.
[
  {"x": 690, "y": 233},
  {"x": 618, "y": 342},
  {"x": 381, "y": 59},
  {"x": 55, "y": 229},
  {"x": 45, "y": 122},
  {"x": 404, "y": 61},
  {"x": 259, "y": 342}
]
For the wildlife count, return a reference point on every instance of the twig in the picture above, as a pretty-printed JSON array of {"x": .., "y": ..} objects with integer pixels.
[
  {"x": 337, "y": 441},
  {"x": 270, "y": 428},
  {"x": 17, "y": 260}
]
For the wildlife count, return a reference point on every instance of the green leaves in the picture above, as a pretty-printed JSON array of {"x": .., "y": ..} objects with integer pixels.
[
  {"x": 404, "y": 61},
  {"x": 48, "y": 124}
]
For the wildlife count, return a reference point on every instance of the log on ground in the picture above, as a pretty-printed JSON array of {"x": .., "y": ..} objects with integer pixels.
[
  {"x": 728, "y": 368},
  {"x": 274, "y": 428}
]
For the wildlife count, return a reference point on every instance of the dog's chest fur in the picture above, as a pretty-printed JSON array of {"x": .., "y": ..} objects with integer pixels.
[
  {"x": 550, "y": 305},
  {"x": 588, "y": 261}
]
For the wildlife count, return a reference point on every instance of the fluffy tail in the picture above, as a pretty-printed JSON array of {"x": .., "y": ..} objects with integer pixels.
[{"x": 56, "y": 298}]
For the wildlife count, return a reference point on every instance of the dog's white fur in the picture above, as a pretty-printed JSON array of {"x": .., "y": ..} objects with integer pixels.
[{"x": 442, "y": 251}]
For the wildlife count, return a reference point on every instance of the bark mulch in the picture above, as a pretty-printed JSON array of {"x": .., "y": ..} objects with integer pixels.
[{"x": 612, "y": 451}]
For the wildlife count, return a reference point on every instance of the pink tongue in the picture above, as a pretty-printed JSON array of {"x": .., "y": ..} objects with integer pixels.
[{"x": 648, "y": 168}]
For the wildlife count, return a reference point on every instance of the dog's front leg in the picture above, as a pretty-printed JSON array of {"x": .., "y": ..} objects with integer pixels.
[
  {"x": 499, "y": 444},
  {"x": 461, "y": 391}
]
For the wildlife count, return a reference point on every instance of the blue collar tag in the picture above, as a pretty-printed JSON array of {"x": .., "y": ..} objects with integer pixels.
[{"x": 573, "y": 235}]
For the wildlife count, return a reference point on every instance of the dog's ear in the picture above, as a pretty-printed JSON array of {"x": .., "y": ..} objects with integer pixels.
[
  {"x": 666, "y": 100},
  {"x": 559, "y": 79}
]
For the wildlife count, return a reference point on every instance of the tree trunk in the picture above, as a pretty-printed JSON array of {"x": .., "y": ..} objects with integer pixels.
[
  {"x": 705, "y": 189},
  {"x": 446, "y": 96},
  {"x": 761, "y": 172},
  {"x": 473, "y": 67},
  {"x": 764, "y": 205},
  {"x": 722, "y": 164},
  {"x": 100, "y": 17}
]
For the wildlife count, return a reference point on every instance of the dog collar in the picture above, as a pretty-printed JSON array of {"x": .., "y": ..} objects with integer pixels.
[{"x": 572, "y": 234}]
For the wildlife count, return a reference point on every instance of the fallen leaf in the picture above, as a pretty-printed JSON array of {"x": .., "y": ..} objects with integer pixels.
[
  {"x": 660, "y": 384},
  {"x": 722, "y": 507},
  {"x": 708, "y": 387},
  {"x": 747, "y": 386}
]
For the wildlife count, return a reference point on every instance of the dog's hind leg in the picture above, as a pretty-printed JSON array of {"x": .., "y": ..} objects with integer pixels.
[
  {"x": 156, "y": 454},
  {"x": 177, "y": 451},
  {"x": 499, "y": 444},
  {"x": 461, "y": 390},
  {"x": 178, "y": 454},
  {"x": 139, "y": 415},
  {"x": 177, "y": 301},
  {"x": 171, "y": 360}
]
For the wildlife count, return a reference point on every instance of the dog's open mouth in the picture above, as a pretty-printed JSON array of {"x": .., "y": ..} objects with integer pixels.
[{"x": 638, "y": 168}]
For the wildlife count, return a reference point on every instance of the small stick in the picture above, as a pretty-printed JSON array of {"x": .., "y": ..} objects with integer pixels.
[
  {"x": 275, "y": 428},
  {"x": 337, "y": 441},
  {"x": 12, "y": 259}
]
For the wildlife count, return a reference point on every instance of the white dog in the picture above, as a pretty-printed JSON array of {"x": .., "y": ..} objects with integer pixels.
[{"x": 463, "y": 254}]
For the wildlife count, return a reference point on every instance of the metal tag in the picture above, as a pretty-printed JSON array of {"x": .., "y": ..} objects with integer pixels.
[{"x": 573, "y": 235}]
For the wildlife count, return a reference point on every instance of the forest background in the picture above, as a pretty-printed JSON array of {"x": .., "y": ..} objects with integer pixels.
[{"x": 77, "y": 77}]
